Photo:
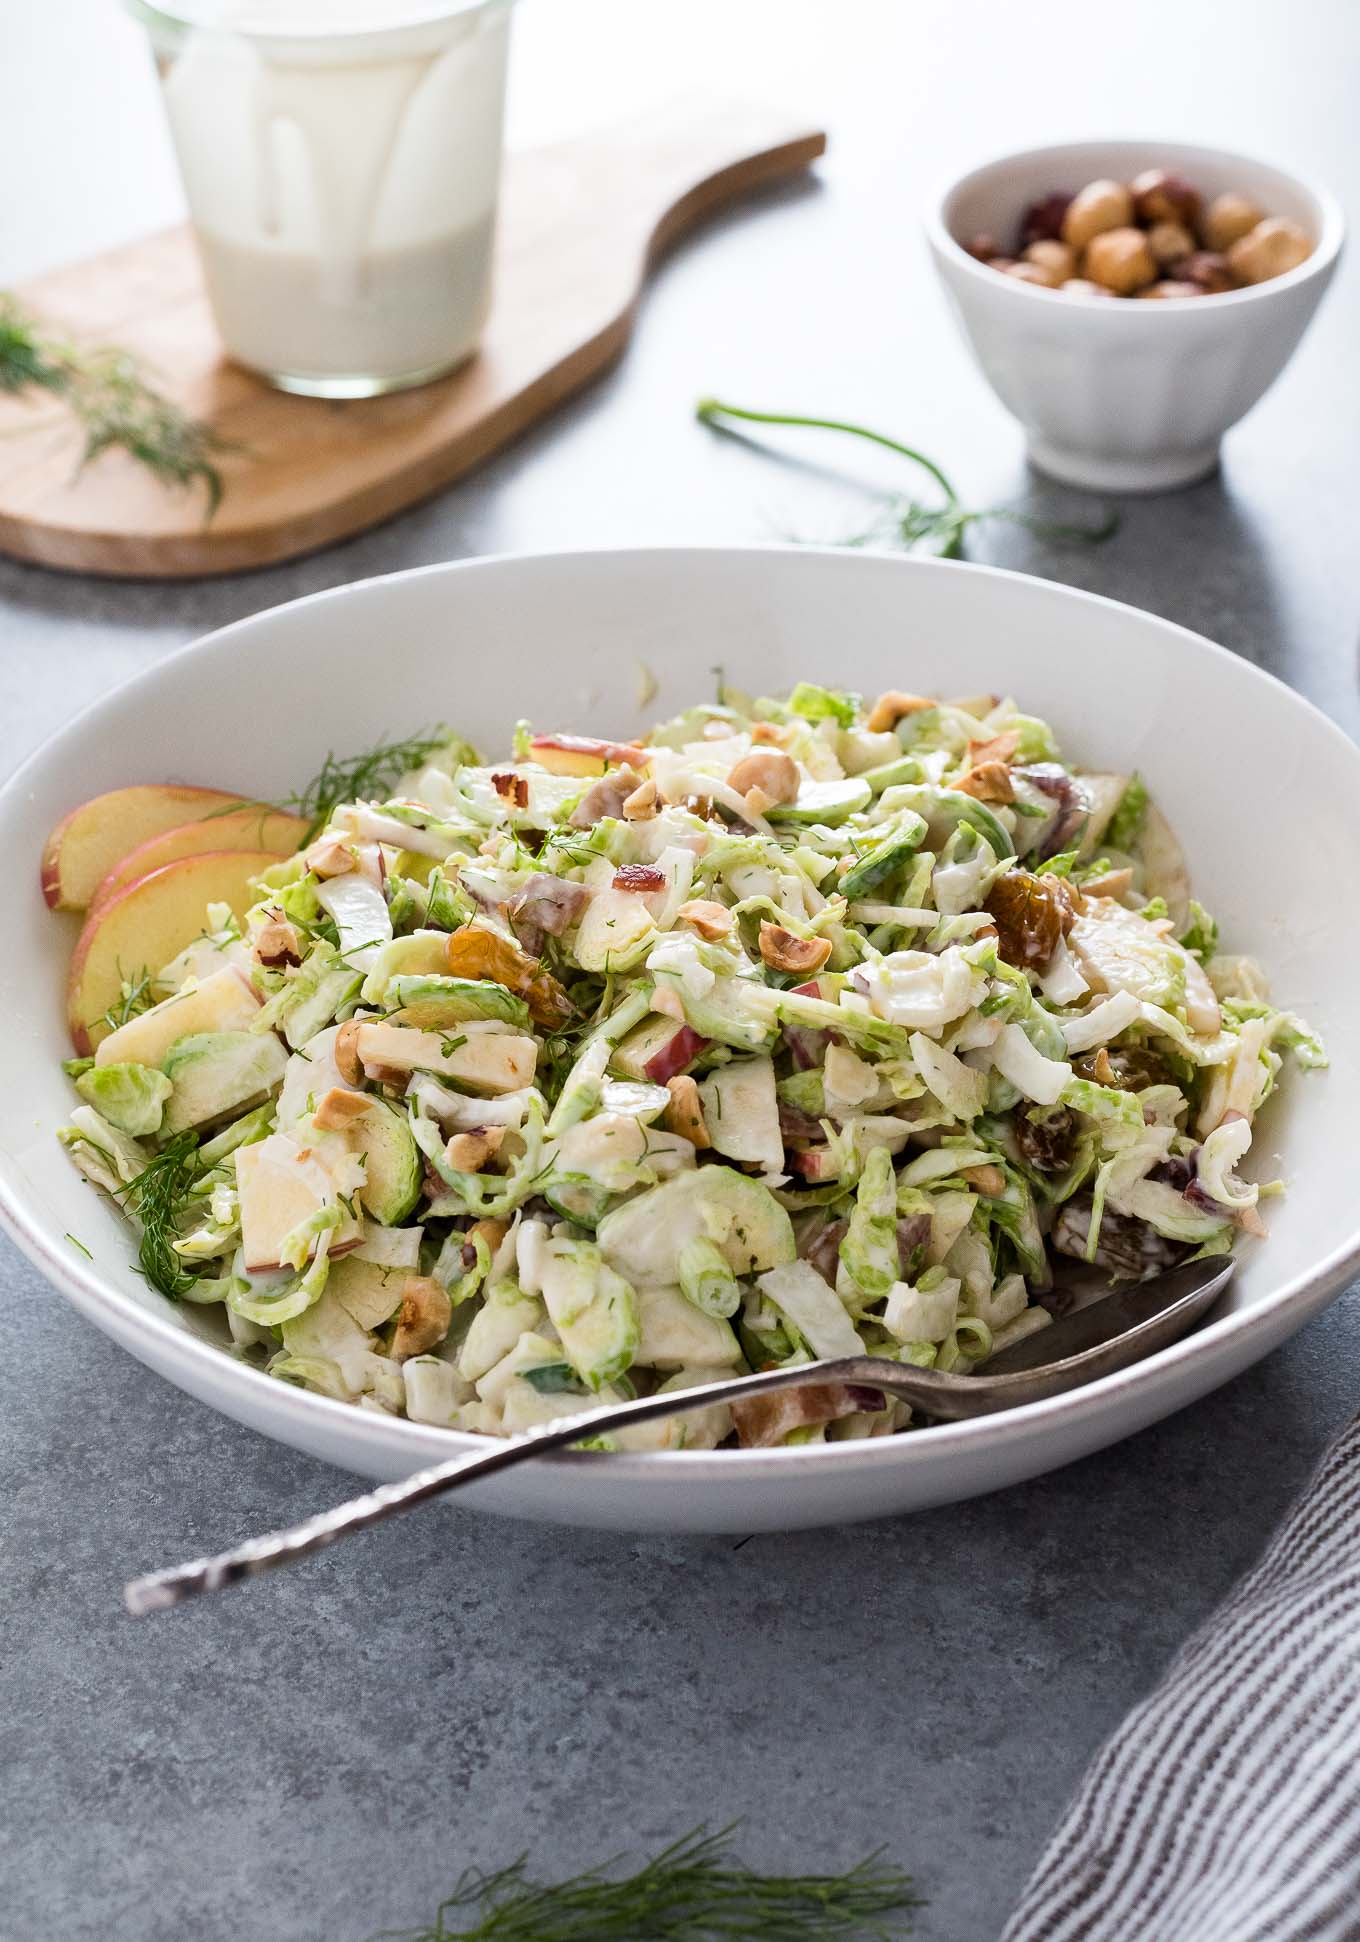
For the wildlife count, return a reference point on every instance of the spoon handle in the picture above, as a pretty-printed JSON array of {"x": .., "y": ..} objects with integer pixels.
[
  {"x": 163, "y": 1589},
  {"x": 1115, "y": 1332}
]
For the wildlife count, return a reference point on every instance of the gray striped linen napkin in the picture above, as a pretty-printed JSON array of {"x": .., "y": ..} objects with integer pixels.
[{"x": 1226, "y": 1808}]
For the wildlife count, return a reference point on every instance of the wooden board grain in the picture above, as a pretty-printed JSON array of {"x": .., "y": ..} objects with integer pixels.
[{"x": 580, "y": 225}]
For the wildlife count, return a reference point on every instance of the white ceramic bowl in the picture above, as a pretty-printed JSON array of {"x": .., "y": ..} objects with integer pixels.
[
  {"x": 1123, "y": 396},
  {"x": 257, "y": 705}
]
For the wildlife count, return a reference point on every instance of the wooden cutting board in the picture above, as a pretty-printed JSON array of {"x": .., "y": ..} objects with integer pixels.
[{"x": 581, "y": 224}]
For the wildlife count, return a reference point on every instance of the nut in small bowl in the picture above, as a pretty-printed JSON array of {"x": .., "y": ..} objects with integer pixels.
[{"x": 1051, "y": 257}]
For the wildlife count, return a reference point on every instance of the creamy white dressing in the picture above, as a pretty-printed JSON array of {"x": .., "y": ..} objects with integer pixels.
[{"x": 342, "y": 162}]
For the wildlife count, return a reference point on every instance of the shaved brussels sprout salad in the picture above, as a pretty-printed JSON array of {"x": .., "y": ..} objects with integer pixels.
[{"x": 796, "y": 1029}]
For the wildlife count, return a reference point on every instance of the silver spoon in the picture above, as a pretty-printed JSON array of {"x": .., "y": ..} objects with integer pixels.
[{"x": 1109, "y": 1334}]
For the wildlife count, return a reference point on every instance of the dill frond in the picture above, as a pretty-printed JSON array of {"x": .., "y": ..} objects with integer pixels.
[
  {"x": 906, "y": 521},
  {"x": 136, "y": 996},
  {"x": 115, "y": 403},
  {"x": 693, "y": 1891},
  {"x": 156, "y": 1197}
]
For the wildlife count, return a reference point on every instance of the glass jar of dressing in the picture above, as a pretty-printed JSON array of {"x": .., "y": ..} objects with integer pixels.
[{"x": 341, "y": 160}]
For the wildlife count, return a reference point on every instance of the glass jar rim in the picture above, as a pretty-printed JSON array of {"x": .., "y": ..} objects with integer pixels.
[{"x": 170, "y": 21}]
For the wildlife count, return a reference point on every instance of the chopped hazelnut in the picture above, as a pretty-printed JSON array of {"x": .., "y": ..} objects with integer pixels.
[
  {"x": 771, "y": 771},
  {"x": 1114, "y": 883},
  {"x": 345, "y": 1052},
  {"x": 1269, "y": 250},
  {"x": 329, "y": 857},
  {"x": 1170, "y": 287},
  {"x": 782, "y": 951},
  {"x": 684, "y": 1115},
  {"x": 469, "y": 1152},
  {"x": 423, "y": 1318},
  {"x": 277, "y": 942},
  {"x": 988, "y": 1180},
  {"x": 514, "y": 789},
  {"x": 889, "y": 709},
  {"x": 997, "y": 748},
  {"x": 1121, "y": 260},
  {"x": 711, "y": 920},
  {"x": 339, "y": 1109},
  {"x": 1099, "y": 206},
  {"x": 1228, "y": 217},
  {"x": 986, "y": 782},
  {"x": 641, "y": 805},
  {"x": 493, "y": 1232},
  {"x": 1082, "y": 286}
]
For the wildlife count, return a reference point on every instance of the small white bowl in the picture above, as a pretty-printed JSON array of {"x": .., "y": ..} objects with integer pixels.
[{"x": 1117, "y": 395}]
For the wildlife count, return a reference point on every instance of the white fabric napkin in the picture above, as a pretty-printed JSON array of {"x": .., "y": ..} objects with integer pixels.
[{"x": 1226, "y": 1808}]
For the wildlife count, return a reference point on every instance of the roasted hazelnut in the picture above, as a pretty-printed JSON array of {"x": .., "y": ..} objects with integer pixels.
[
  {"x": 1169, "y": 242},
  {"x": 345, "y": 1052},
  {"x": 1097, "y": 207},
  {"x": 423, "y": 1318},
  {"x": 339, "y": 1110},
  {"x": 1228, "y": 217},
  {"x": 1270, "y": 249},
  {"x": 1121, "y": 260},
  {"x": 711, "y": 920},
  {"x": 1043, "y": 220},
  {"x": 1032, "y": 273},
  {"x": 983, "y": 247},
  {"x": 1055, "y": 257},
  {"x": 890, "y": 707},
  {"x": 771, "y": 771},
  {"x": 782, "y": 951},
  {"x": 1082, "y": 286},
  {"x": 1170, "y": 287},
  {"x": 1208, "y": 271},
  {"x": 1160, "y": 196}
]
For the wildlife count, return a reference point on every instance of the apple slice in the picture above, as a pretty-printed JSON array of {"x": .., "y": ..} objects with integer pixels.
[
  {"x": 148, "y": 923},
  {"x": 251, "y": 827},
  {"x": 86, "y": 845},
  {"x": 583, "y": 755}
]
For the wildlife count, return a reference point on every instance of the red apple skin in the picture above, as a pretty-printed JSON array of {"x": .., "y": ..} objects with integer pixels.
[
  {"x": 583, "y": 755},
  {"x": 813, "y": 1163},
  {"x": 812, "y": 989},
  {"x": 136, "y": 918},
  {"x": 681, "y": 1049},
  {"x": 90, "y": 840},
  {"x": 250, "y": 828}
]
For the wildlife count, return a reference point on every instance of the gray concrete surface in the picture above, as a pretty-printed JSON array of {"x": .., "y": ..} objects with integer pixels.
[{"x": 320, "y": 1755}]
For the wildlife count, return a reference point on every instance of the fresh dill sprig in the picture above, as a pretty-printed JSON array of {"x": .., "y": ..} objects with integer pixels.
[
  {"x": 351, "y": 778},
  {"x": 909, "y": 522},
  {"x": 136, "y": 996},
  {"x": 693, "y": 1891},
  {"x": 115, "y": 403},
  {"x": 156, "y": 1197}
]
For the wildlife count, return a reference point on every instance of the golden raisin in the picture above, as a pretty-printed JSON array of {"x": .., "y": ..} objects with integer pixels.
[
  {"x": 476, "y": 952},
  {"x": 1031, "y": 914}
]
